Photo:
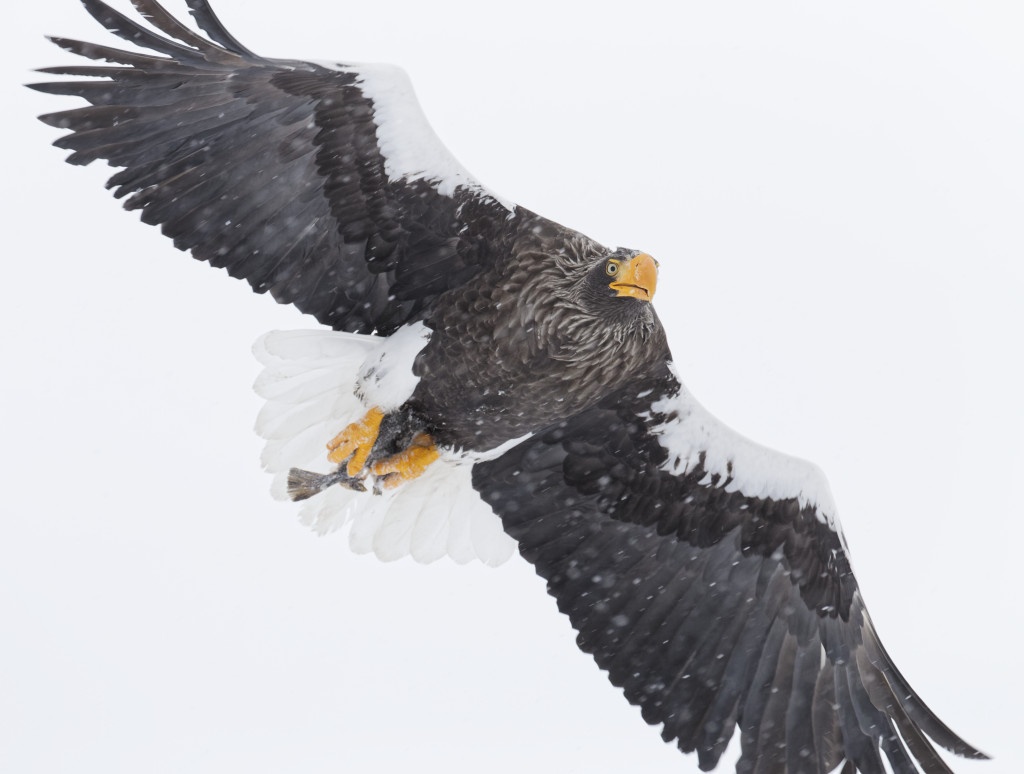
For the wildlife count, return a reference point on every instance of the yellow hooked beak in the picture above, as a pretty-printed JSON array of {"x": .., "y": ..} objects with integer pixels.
[{"x": 635, "y": 278}]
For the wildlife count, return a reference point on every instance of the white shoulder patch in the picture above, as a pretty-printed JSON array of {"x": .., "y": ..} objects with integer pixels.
[
  {"x": 409, "y": 145},
  {"x": 742, "y": 465},
  {"x": 309, "y": 383}
]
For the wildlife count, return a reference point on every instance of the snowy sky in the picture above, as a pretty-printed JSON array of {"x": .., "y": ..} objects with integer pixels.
[{"x": 835, "y": 194}]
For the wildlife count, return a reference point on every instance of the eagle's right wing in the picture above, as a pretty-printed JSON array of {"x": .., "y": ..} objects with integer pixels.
[{"x": 322, "y": 184}]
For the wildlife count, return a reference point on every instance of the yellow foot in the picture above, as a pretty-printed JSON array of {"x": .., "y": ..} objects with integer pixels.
[
  {"x": 355, "y": 442},
  {"x": 408, "y": 464}
]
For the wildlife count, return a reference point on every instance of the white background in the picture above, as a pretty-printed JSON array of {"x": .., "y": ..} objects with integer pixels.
[{"x": 834, "y": 192}]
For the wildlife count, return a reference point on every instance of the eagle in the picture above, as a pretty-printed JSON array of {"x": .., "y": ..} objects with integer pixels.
[{"x": 486, "y": 380}]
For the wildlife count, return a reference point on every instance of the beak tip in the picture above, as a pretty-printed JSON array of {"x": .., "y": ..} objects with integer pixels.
[{"x": 638, "y": 278}]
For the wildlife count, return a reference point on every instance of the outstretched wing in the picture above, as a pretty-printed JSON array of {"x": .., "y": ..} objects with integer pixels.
[
  {"x": 321, "y": 184},
  {"x": 709, "y": 577}
]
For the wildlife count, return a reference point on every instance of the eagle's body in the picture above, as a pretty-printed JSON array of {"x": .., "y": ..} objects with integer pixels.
[
  {"x": 524, "y": 330},
  {"x": 507, "y": 383}
]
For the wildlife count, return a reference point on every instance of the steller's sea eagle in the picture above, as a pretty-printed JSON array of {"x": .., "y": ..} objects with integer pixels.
[{"x": 481, "y": 361}]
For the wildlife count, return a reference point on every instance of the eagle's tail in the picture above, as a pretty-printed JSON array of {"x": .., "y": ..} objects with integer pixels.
[{"x": 308, "y": 382}]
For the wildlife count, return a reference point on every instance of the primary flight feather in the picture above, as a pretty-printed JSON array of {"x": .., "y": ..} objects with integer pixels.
[{"x": 483, "y": 361}]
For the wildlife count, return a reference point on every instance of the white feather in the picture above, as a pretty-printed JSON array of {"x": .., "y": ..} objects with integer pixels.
[
  {"x": 694, "y": 436},
  {"x": 410, "y": 147},
  {"x": 430, "y": 533},
  {"x": 386, "y": 377},
  {"x": 310, "y": 381}
]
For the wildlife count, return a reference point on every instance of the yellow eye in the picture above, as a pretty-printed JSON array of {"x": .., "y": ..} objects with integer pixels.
[{"x": 611, "y": 268}]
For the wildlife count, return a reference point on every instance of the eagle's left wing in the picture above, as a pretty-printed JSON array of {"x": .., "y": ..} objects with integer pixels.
[{"x": 709, "y": 576}]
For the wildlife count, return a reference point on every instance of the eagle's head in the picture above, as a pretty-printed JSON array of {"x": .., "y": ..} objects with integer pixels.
[
  {"x": 618, "y": 287},
  {"x": 580, "y": 301}
]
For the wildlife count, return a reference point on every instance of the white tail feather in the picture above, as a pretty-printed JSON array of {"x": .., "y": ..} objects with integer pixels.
[{"x": 309, "y": 382}]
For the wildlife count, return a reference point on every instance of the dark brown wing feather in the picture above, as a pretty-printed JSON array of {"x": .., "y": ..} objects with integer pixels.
[
  {"x": 712, "y": 610},
  {"x": 270, "y": 169}
]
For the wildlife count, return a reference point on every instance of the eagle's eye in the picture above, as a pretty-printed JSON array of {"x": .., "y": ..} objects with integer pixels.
[{"x": 611, "y": 268}]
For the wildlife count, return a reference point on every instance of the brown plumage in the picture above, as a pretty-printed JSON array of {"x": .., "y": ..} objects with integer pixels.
[
  {"x": 543, "y": 309},
  {"x": 706, "y": 574}
]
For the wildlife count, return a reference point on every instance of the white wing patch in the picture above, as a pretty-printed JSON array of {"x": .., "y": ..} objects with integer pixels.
[
  {"x": 309, "y": 383},
  {"x": 409, "y": 145},
  {"x": 742, "y": 465}
]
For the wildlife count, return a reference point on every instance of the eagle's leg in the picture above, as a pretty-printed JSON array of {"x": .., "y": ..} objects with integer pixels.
[
  {"x": 408, "y": 463},
  {"x": 392, "y": 446},
  {"x": 355, "y": 442}
]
